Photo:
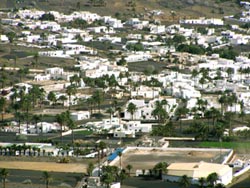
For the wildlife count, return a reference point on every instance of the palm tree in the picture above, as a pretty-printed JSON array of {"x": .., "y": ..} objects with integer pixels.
[
  {"x": 36, "y": 57},
  {"x": 212, "y": 179},
  {"x": 3, "y": 103},
  {"x": 159, "y": 112},
  {"x": 184, "y": 181},
  {"x": 180, "y": 112},
  {"x": 61, "y": 119},
  {"x": 72, "y": 125},
  {"x": 52, "y": 97},
  {"x": 129, "y": 168},
  {"x": 4, "y": 174},
  {"x": 98, "y": 98},
  {"x": 202, "y": 182},
  {"x": 220, "y": 185},
  {"x": 160, "y": 168},
  {"x": 36, "y": 119},
  {"x": 90, "y": 102},
  {"x": 102, "y": 145},
  {"x": 62, "y": 98},
  {"x": 131, "y": 109},
  {"x": 70, "y": 90},
  {"x": 47, "y": 178},
  {"x": 110, "y": 111},
  {"x": 120, "y": 157},
  {"x": 90, "y": 168}
]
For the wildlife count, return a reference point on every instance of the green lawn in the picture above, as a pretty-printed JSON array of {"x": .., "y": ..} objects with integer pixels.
[
  {"x": 238, "y": 146},
  {"x": 84, "y": 132}
]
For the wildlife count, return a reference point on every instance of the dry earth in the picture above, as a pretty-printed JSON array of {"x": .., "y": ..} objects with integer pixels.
[
  {"x": 44, "y": 166},
  {"x": 144, "y": 159}
]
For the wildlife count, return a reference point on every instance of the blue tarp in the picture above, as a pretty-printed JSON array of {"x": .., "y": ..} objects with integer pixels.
[{"x": 114, "y": 154}]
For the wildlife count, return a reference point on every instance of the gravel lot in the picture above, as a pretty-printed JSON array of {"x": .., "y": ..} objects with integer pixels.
[{"x": 146, "y": 159}]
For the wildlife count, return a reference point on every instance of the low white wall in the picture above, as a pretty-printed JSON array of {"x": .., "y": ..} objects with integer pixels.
[
  {"x": 174, "y": 149},
  {"x": 241, "y": 171},
  {"x": 228, "y": 157},
  {"x": 67, "y": 133}
]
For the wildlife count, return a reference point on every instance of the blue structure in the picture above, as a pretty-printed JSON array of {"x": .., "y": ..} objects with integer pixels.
[{"x": 114, "y": 154}]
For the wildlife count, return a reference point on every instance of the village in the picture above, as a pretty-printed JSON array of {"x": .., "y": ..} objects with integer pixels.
[{"x": 134, "y": 98}]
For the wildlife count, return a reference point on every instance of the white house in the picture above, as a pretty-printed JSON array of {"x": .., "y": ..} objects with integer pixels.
[
  {"x": 4, "y": 38},
  {"x": 203, "y": 21},
  {"x": 80, "y": 115},
  {"x": 137, "y": 126},
  {"x": 146, "y": 92},
  {"x": 198, "y": 170}
]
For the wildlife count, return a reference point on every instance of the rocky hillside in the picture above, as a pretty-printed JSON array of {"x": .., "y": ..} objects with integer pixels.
[{"x": 173, "y": 9}]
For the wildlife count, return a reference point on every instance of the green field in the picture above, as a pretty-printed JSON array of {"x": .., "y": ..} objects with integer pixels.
[{"x": 237, "y": 146}]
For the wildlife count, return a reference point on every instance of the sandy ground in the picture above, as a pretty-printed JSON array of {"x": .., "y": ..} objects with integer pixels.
[
  {"x": 44, "y": 166},
  {"x": 144, "y": 159}
]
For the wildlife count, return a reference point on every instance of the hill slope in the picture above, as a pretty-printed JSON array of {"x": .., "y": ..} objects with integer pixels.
[{"x": 182, "y": 8}]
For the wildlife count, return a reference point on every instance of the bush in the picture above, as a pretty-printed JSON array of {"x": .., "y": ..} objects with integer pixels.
[{"x": 64, "y": 160}]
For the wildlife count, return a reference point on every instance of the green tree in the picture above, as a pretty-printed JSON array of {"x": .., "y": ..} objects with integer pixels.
[
  {"x": 202, "y": 182},
  {"x": 11, "y": 36},
  {"x": 70, "y": 90},
  {"x": 109, "y": 175},
  {"x": 98, "y": 98},
  {"x": 102, "y": 145},
  {"x": 61, "y": 120},
  {"x": 131, "y": 109},
  {"x": 160, "y": 168},
  {"x": 212, "y": 179},
  {"x": 181, "y": 112},
  {"x": 62, "y": 98},
  {"x": 4, "y": 173},
  {"x": 184, "y": 181},
  {"x": 47, "y": 17},
  {"x": 72, "y": 125},
  {"x": 120, "y": 159},
  {"x": 36, "y": 118},
  {"x": 47, "y": 178},
  {"x": 129, "y": 167},
  {"x": 159, "y": 112},
  {"x": 90, "y": 168},
  {"x": 36, "y": 57},
  {"x": 52, "y": 97},
  {"x": 22, "y": 72},
  {"x": 3, "y": 104}
]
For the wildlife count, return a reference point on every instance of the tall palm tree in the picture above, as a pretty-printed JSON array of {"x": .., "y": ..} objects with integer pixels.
[
  {"x": 70, "y": 90},
  {"x": 90, "y": 168},
  {"x": 202, "y": 182},
  {"x": 184, "y": 181},
  {"x": 160, "y": 168},
  {"x": 212, "y": 179},
  {"x": 98, "y": 98},
  {"x": 129, "y": 168},
  {"x": 4, "y": 173},
  {"x": 72, "y": 125},
  {"x": 60, "y": 119},
  {"x": 110, "y": 111},
  {"x": 36, "y": 118},
  {"x": 102, "y": 145},
  {"x": 3, "y": 104},
  {"x": 131, "y": 109},
  {"x": 47, "y": 178},
  {"x": 159, "y": 112},
  {"x": 52, "y": 97},
  {"x": 220, "y": 185},
  {"x": 36, "y": 57},
  {"x": 120, "y": 159}
]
